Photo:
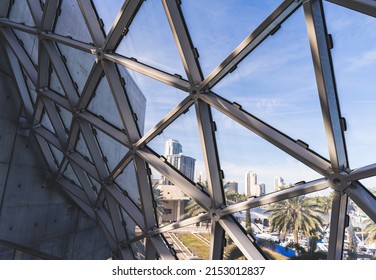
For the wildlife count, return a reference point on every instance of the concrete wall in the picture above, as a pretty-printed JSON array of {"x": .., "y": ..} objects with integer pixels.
[{"x": 32, "y": 213}]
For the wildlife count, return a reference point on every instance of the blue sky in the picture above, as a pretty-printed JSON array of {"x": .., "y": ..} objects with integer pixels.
[{"x": 275, "y": 83}]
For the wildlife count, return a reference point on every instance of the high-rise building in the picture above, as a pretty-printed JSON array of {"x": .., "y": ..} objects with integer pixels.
[
  {"x": 231, "y": 186},
  {"x": 251, "y": 186},
  {"x": 174, "y": 155},
  {"x": 173, "y": 147},
  {"x": 278, "y": 183}
]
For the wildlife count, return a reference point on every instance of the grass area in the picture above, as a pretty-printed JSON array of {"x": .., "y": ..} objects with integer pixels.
[
  {"x": 207, "y": 236},
  {"x": 198, "y": 248}
]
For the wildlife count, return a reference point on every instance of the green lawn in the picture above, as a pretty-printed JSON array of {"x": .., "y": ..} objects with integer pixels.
[{"x": 198, "y": 248}]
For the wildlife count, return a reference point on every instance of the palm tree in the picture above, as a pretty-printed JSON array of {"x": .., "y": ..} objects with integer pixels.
[
  {"x": 295, "y": 214},
  {"x": 193, "y": 209},
  {"x": 370, "y": 229}
]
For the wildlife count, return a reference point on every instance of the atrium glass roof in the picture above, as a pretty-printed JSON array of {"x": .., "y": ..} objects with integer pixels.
[{"x": 280, "y": 88}]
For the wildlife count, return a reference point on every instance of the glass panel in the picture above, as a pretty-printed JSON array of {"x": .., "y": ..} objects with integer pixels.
[
  {"x": 219, "y": 26},
  {"x": 360, "y": 235},
  {"x": 130, "y": 226},
  {"x": 354, "y": 62},
  {"x": 142, "y": 35},
  {"x": 276, "y": 83},
  {"x": 113, "y": 152},
  {"x": 95, "y": 184},
  {"x": 46, "y": 122},
  {"x": 58, "y": 155},
  {"x": 161, "y": 98},
  {"x": 180, "y": 144},
  {"x": 29, "y": 43},
  {"x": 127, "y": 181},
  {"x": 20, "y": 12},
  {"x": 254, "y": 163},
  {"x": 107, "y": 12},
  {"x": 69, "y": 173},
  {"x": 75, "y": 29},
  {"x": 103, "y": 104},
  {"x": 295, "y": 228},
  {"x": 54, "y": 82},
  {"x": 82, "y": 148},
  {"x": 135, "y": 96},
  {"x": 78, "y": 63},
  {"x": 66, "y": 117}
]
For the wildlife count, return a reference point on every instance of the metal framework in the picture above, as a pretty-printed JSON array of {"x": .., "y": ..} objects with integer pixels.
[{"x": 92, "y": 184}]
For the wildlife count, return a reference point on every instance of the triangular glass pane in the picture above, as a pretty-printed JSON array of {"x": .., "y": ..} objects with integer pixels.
[
  {"x": 127, "y": 181},
  {"x": 138, "y": 249},
  {"x": 360, "y": 235},
  {"x": 282, "y": 239},
  {"x": 156, "y": 49},
  {"x": 95, "y": 184},
  {"x": 20, "y": 13},
  {"x": 218, "y": 27},
  {"x": 103, "y": 104},
  {"x": 64, "y": 25},
  {"x": 161, "y": 98},
  {"x": 129, "y": 225},
  {"x": 31, "y": 88},
  {"x": 66, "y": 118},
  {"x": 107, "y": 12},
  {"x": 276, "y": 83},
  {"x": 135, "y": 96},
  {"x": 82, "y": 148},
  {"x": 113, "y": 152},
  {"x": 256, "y": 165},
  {"x": 354, "y": 61},
  {"x": 180, "y": 144},
  {"x": 58, "y": 155},
  {"x": 78, "y": 63},
  {"x": 46, "y": 122},
  {"x": 29, "y": 43},
  {"x": 54, "y": 82},
  {"x": 69, "y": 173}
]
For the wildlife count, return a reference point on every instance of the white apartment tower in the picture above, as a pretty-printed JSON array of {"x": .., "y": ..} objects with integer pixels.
[{"x": 251, "y": 186}]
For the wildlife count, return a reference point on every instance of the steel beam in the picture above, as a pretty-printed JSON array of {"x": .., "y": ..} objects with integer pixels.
[
  {"x": 183, "y": 41},
  {"x": 363, "y": 198},
  {"x": 176, "y": 177},
  {"x": 4, "y": 22},
  {"x": 91, "y": 84},
  {"x": 128, "y": 205},
  {"x": 122, "y": 103},
  {"x": 217, "y": 241},
  {"x": 56, "y": 98},
  {"x": 267, "y": 132},
  {"x": 367, "y": 7},
  {"x": 337, "y": 226},
  {"x": 241, "y": 239},
  {"x": 49, "y": 14},
  {"x": 21, "y": 54},
  {"x": 92, "y": 22},
  {"x": 121, "y": 24},
  {"x": 322, "y": 61},
  {"x": 85, "y": 183},
  {"x": 47, "y": 154},
  {"x": 61, "y": 72},
  {"x": 107, "y": 128},
  {"x": 36, "y": 11},
  {"x": 4, "y": 7},
  {"x": 310, "y": 187},
  {"x": 362, "y": 172},
  {"x": 149, "y": 71},
  {"x": 85, "y": 165},
  {"x": 161, "y": 248},
  {"x": 251, "y": 42},
  {"x": 121, "y": 165},
  {"x": 180, "y": 109},
  {"x": 116, "y": 221},
  {"x": 48, "y": 136},
  {"x": 21, "y": 83}
]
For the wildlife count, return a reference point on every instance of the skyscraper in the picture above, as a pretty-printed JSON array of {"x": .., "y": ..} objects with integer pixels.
[
  {"x": 278, "y": 183},
  {"x": 174, "y": 155},
  {"x": 251, "y": 186}
]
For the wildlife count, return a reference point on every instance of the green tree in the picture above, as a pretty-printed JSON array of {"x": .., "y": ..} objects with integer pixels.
[{"x": 295, "y": 214}]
